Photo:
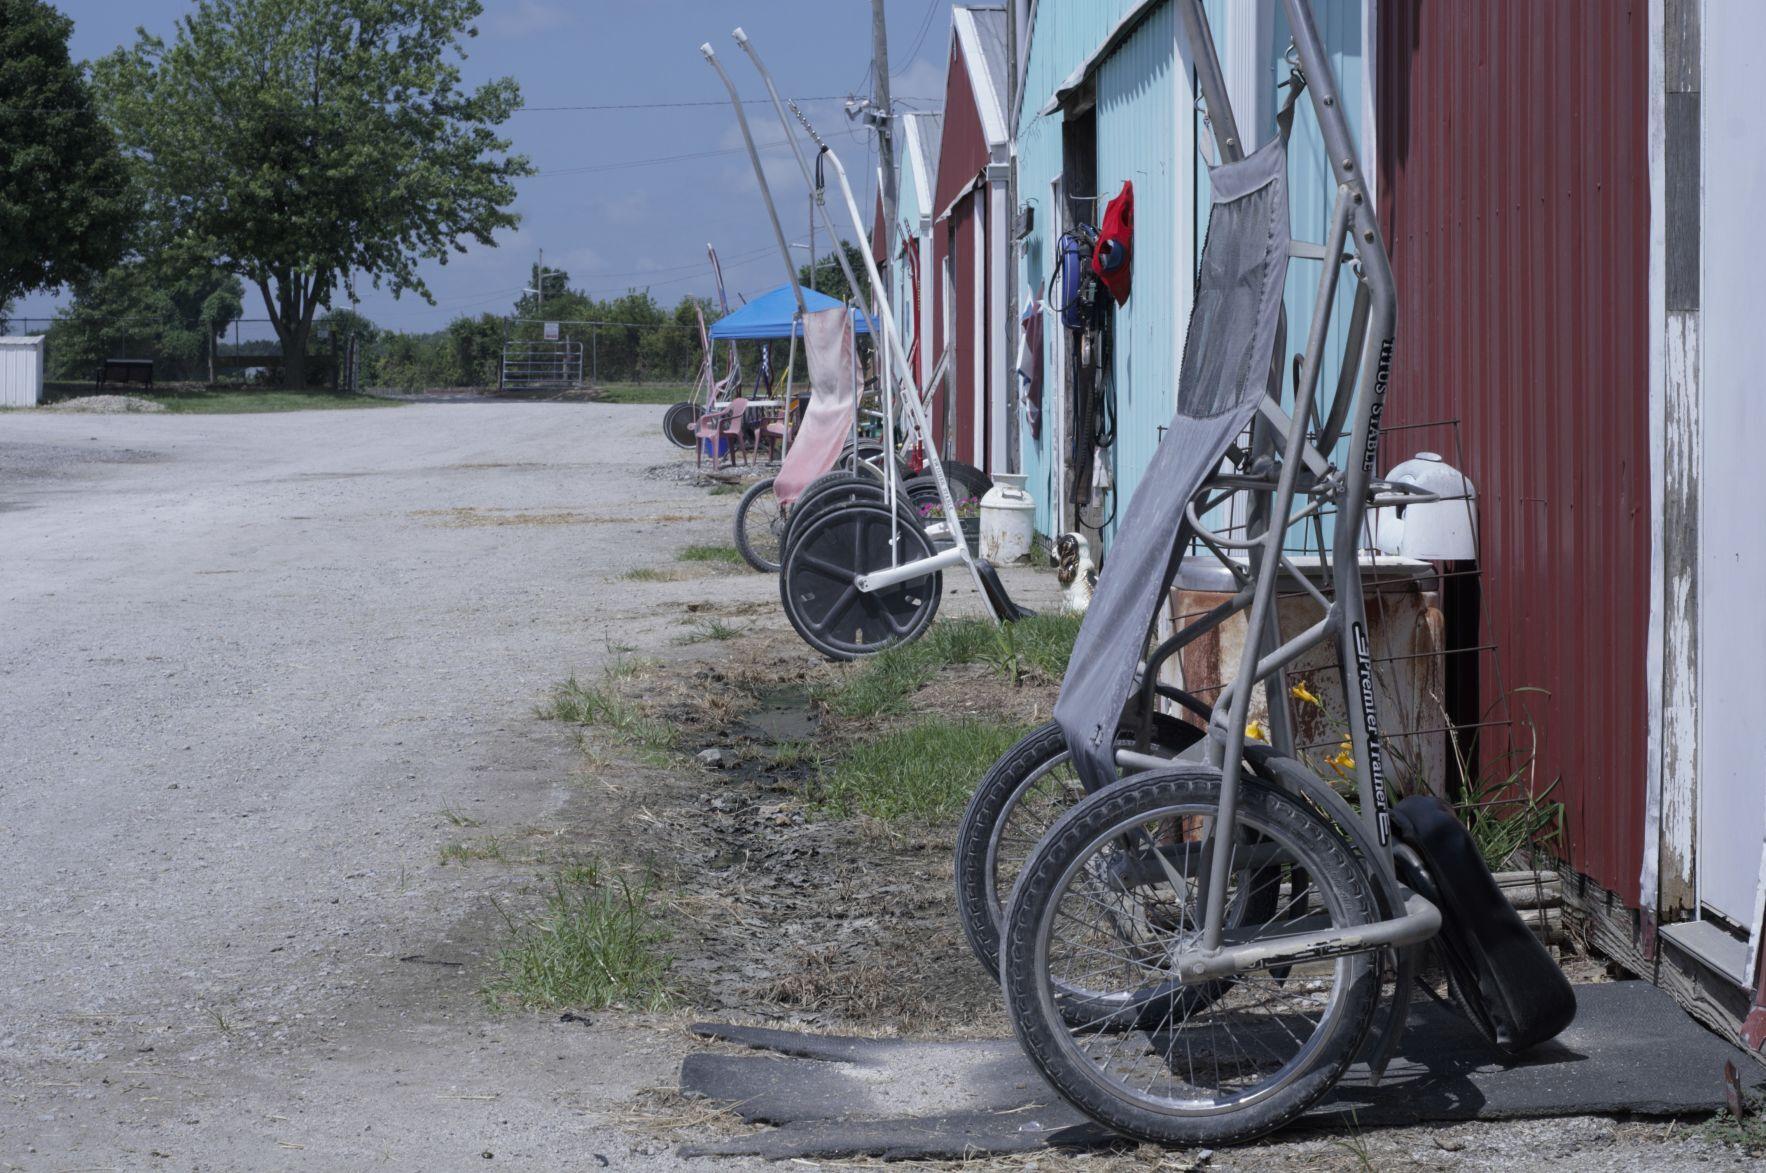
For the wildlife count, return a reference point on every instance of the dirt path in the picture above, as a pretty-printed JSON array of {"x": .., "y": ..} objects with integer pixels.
[{"x": 248, "y": 662}]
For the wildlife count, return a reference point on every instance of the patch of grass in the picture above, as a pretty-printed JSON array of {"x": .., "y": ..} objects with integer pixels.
[
  {"x": 724, "y": 489},
  {"x": 658, "y": 393},
  {"x": 922, "y": 773},
  {"x": 885, "y": 683},
  {"x": 455, "y": 817},
  {"x": 576, "y": 703},
  {"x": 624, "y": 667},
  {"x": 728, "y": 555},
  {"x": 596, "y": 944},
  {"x": 461, "y": 852},
  {"x": 710, "y": 629},
  {"x": 790, "y": 755},
  {"x": 1041, "y": 644},
  {"x": 647, "y": 574}
]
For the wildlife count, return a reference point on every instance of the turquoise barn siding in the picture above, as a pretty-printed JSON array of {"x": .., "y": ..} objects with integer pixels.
[
  {"x": 1139, "y": 142},
  {"x": 1147, "y": 129},
  {"x": 1064, "y": 35}
]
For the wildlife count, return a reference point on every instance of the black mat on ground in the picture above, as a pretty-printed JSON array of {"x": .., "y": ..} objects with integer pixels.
[{"x": 1631, "y": 1049}]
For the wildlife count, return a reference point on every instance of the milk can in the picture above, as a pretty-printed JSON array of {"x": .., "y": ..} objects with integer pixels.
[{"x": 1008, "y": 520}]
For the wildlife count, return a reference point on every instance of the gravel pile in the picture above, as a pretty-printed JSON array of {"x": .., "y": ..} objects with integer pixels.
[{"x": 107, "y": 404}]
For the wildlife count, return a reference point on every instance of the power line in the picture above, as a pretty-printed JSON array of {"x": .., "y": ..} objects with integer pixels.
[
  {"x": 925, "y": 27},
  {"x": 664, "y": 105},
  {"x": 659, "y": 160}
]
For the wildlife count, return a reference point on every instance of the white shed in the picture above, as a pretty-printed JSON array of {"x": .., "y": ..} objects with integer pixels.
[{"x": 21, "y": 370}]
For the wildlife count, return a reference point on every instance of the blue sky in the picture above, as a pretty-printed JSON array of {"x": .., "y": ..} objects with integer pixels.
[{"x": 616, "y": 227}]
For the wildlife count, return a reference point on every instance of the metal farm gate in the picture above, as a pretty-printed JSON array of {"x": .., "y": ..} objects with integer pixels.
[{"x": 540, "y": 365}]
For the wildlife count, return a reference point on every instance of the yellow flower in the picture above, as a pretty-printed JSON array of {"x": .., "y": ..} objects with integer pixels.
[
  {"x": 1301, "y": 693},
  {"x": 1343, "y": 761},
  {"x": 1256, "y": 732}
]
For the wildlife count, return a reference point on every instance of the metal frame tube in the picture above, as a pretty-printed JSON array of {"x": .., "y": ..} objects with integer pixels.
[{"x": 1352, "y": 213}]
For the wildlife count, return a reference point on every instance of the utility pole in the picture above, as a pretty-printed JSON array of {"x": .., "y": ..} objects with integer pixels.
[
  {"x": 539, "y": 281},
  {"x": 885, "y": 127}
]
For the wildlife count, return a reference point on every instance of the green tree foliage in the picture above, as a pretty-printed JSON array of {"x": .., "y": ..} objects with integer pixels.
[
  {"x": 303, "y": 144},
  {"x": 828, "y": 277},
  {"x": 64, "y": 192},
  {"x": 140, "y": 310}
]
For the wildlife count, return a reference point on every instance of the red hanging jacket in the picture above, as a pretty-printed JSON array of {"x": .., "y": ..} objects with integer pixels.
[{"x": 1113, "y": 258}]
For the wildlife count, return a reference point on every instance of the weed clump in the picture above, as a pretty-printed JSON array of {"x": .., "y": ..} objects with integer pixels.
[
  {"x": 924, "y": 772},
  {"x": 1039, "y": 646},
  {"x": 595, "y": 944}
]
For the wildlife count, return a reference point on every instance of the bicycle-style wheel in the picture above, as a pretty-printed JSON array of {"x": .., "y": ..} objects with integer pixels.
[
  {"x": 819, "y": 584},
  {"x": 760, "y": 527},
  {"x": 677, "y": 424},
  {"x": 1110, "y": 900},
  {"x": 1019, "y": 798}
]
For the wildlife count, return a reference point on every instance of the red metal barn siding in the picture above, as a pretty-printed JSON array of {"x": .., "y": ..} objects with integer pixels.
[
  {"x": 962, "y": 155},
  {"x": 1514, "y": 189}
]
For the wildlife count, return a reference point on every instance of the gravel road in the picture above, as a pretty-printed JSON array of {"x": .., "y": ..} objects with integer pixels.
[{"x": 246, "y": 663}]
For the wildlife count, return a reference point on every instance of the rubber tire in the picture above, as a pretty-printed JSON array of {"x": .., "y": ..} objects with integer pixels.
[
  {"x": 1332, "y": 868},
  {"x": 978, "y": 911},
  {"x": 828, "y": 538},
  {"x": 754, "y": 507},
  {"x": 870, "y": 454},
  {"x": 971, "y": 478},
  {"x": 829, "y": 491},
  {"x": 677, "y": 424}
]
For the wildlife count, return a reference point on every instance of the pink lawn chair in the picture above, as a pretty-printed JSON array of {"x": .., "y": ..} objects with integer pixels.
[{"x": 733, "y": 424}]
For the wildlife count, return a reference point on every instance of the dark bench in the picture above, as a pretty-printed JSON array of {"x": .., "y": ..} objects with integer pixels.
[{"x": 126, "y": 370}]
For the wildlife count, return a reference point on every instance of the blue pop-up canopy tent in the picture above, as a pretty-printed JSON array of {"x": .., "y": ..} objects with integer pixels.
[{"x": 770, "y": 315}]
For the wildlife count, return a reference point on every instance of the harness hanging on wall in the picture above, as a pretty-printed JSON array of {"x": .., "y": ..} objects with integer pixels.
[{"x": 1085, "y": 309}]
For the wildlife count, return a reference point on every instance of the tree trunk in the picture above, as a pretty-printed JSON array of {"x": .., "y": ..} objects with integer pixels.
[{"x": 291, "y": 307}]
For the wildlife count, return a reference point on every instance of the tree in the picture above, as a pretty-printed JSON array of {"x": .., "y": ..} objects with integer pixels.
[
  {"x": 142, "y": 309},
  {"x": 64, "y": 193},
  {"x": 830, "y": 280},
  {"x": 304, "y": 144},
  {"x": 219, "y": 310}
]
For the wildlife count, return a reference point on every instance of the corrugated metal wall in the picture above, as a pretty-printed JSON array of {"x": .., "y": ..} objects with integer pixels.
[
  {"x": 1515, "y": 191},
  {"x": 961, "y": 156},
  {"x": 1139, "y": 142},
  {"x": 1065, "y": 34}
]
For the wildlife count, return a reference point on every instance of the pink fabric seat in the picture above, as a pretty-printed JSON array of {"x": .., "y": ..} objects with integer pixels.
[{"x": 816, "y": 442}]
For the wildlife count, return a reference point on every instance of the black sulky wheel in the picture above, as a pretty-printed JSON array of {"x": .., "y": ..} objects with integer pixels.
[
  {"x": 677, "y": 424},
  {"x": 830, "y": 491},
  {"x": 819, "y": 583}
]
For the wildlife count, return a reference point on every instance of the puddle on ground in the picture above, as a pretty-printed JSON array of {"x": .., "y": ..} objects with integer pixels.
[{"x": 784, "y": 714}]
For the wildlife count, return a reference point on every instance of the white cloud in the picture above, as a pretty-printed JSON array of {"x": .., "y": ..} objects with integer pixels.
[{"x": 512, "y": 19}]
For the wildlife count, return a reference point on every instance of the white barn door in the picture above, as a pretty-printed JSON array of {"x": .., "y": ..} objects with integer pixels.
[{"x": 1732, "y": 528}]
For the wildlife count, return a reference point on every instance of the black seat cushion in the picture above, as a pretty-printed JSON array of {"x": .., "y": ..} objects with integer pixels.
[{"x": 1502, "y": 977}]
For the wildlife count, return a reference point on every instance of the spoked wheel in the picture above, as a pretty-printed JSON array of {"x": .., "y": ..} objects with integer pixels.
[
  {"x": 1015, "y": 803},
  {"x": 819, "y": 583},
  {"x": 1104, "y": 908},
  {"x": 760, "y": 527},
  {"x": 677, "y": 424}
]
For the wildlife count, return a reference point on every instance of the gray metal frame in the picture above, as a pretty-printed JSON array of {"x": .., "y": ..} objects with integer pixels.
[{"x": 1304, "y": 475}]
